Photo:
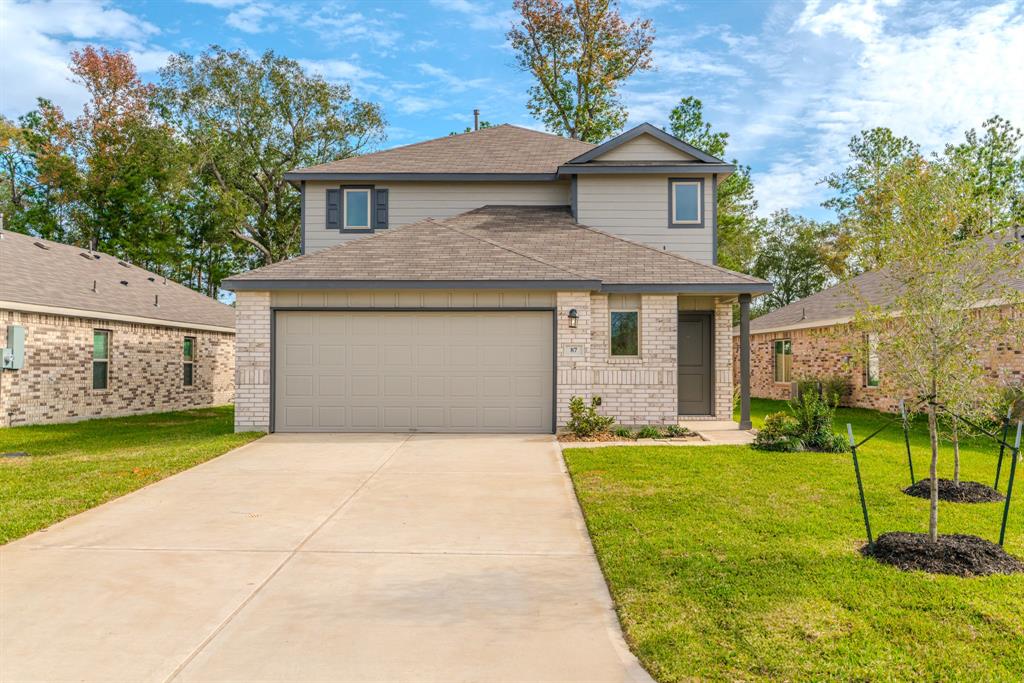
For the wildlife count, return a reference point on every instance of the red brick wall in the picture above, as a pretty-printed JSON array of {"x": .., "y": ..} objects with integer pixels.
[
  {"x": 824, "y": 352},
  {"x": 145, "y": 374}
]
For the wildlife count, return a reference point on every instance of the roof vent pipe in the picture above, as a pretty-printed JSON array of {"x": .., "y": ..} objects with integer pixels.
[
  {"x": 94, "y": 285},
  {"x": 476, "y": 119},
  {"x": 156, "y": 300}
]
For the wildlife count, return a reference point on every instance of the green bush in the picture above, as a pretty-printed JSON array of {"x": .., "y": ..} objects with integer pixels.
[
  {"x": 624, "y": 433},
  {"x": 779, "y": 433},
  {"x": 584, "y": 419},
  {"x": 836, "y": 387},
  {"x": 676, "y": 430},
  {"x": 814, "y": 417},
  {"x": 648, "y": 432}
]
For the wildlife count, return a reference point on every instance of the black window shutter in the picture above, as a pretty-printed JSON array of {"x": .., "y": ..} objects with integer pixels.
[
  {"x": 334, "y": 209},
  {"x": 380, "y": 213}
]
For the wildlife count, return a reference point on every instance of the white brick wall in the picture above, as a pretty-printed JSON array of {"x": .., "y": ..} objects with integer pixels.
[
  {"x": 723, "y": 359},
  {"x": 634, "y": 391},
  {"x": 252, "y": 361}
]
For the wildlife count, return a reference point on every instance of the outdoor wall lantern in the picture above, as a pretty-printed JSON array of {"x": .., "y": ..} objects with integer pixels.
[{"x": 574, "y": 317}]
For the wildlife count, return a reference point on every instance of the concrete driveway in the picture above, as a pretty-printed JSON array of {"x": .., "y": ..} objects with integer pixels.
[{"x": 353, "y": 557}]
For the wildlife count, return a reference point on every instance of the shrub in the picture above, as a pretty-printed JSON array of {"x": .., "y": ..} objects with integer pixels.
[
  {"x": 836, "y": 387},
  {"x": 648, "y": 432},
  {"x": 584, "y": 419},
  {"x": 814, "y": 418},
  {"x": 676, "y": 430},
  {"x": 780, "y": 432},
  {"x": 624, "y": 433}
]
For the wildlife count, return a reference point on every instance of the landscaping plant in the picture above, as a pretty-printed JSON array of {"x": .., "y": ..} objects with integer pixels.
[
  {"x": 584, "y": 420},
  {"x": 780, "y": 432},
  {"x": 949, "y": 283},
  {"x": 648, "y": 432}
]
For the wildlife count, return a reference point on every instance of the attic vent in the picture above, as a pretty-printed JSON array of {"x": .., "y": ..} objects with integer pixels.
[
  {"x": 85, "y": 256},
  {"x": 122, "y": 263},
  {"x": 124, "y": 282},
  {"x": 151, "y": 278},
  {"x": 41, "y": 245}
]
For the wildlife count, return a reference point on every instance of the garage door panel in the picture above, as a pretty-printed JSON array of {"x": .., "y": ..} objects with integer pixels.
[{"x": 421, "y": 371}]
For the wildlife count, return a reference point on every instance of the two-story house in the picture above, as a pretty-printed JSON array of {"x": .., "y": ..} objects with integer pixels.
[{"x": 477, "y": 282}]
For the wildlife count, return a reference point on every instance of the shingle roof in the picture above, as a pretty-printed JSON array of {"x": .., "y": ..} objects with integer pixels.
[
  {"x": 501, "y": 149},
  {"x": 62, "y": 276},
  {"x": 838, "y": 303},
  {"x": 501, "y": 244}
]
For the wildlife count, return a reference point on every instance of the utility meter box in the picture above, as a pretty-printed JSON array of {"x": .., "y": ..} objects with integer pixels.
[{"x": 14, "y": 353}]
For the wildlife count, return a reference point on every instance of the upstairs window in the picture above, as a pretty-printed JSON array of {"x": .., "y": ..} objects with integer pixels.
[
  {"x": 188, "y": 361},
  {"x": 357, "y": 209},
  {"x": 783, "y": 360},
  {"x": 872, "y": 369},
  {"x": 100, "y": 358},
  {"x": 685, "y": 202}
]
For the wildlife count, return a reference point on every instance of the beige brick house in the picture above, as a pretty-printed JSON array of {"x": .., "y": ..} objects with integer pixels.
[
  {"x": 812, "y": 338},
  {"x": 476, "y": 282},
  {"x": 86, "y": 335}
]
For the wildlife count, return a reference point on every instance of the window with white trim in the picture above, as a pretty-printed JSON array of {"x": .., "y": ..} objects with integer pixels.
[
  {"x": 872, "y": 368},
  {"x": 188, "y": 362},
  {"x": 100, "y": 359},
  {"x": 356, "y": 209},
  {"x": 783, "y": 360},
  {"x": 687, "y": 205}
]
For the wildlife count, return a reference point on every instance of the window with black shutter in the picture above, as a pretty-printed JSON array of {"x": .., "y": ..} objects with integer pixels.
[
  {"x": 380, "y": 215},
  {"x": 334, "y": 209}
]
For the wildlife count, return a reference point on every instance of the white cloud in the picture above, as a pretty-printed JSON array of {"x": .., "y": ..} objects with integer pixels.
[
  {"x": 451, "y": 82},
  {"x": 412, "y": 104},
  {"x": 859, "y": 19},
  {"x": 38, "y": 37},
  {"x": 695, "y": 62},
  {"x": 480, "y": 16}
]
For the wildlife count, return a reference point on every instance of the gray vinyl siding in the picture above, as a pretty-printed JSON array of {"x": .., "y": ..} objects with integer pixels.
[
  {"x": 635, "y": 207},
  {"x": 645, "y": 148},
  {"x": 409, "y": 202}
]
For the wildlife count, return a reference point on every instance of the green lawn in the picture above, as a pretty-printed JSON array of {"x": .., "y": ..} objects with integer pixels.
[
  {"x": 73, "y": 467},
  {"x": 733, "y": 564}
]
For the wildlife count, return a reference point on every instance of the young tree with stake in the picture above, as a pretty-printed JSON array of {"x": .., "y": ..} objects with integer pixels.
[{"x": 948, "y": 295}]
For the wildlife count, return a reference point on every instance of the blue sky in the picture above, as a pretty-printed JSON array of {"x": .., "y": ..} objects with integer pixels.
[{"x": 791, "y": 81}]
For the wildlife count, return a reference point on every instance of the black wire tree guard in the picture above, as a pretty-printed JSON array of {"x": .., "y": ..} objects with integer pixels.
[{"x": 904, "y": 418}]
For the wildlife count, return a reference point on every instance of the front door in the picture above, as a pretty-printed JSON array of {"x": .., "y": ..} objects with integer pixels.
[{"x": 695, "y": 363}]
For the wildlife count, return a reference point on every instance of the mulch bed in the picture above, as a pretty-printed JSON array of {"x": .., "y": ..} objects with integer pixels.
[
  {"x": 966, "y": 492},
  {"x": 956, "y": 554},
  {"x": 569, "y": 437}
]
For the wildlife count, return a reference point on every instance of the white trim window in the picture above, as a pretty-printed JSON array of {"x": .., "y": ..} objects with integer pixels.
[
  {"x": 783, "y": 360},
  {"x": 624, "y": 333},
  {"x": 188, "y": 362},
  {"x": 100, "y": 359},
  {"x": 357, "y": 206},
  {"x": 872, "y": 367},
  {"x": 687, "y": 204}
]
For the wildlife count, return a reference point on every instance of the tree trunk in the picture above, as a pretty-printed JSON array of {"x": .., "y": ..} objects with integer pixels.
[
  {"x": 933, "y": 517},
  {"x": 956, "y": 452}
]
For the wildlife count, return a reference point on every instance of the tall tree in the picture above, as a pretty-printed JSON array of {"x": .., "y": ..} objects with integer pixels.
[
  {"x": 797, "y": 255},
  {"x": 993, "y": 166},
  {"x": 579, "y": 55},
  {"x": 104, "y": 177},
  {"x": 737, "y": 224},
  {"x": 249, "y": 120},
  {"x": 941, "y": 290},
  {"x": 862, "y": 200}
]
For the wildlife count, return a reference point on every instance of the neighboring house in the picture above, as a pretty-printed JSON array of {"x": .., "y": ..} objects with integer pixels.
[
  {"x": 86, "y": 335},
  {"x": 477, "y": 282},
  {"x": 812, "y": 339}
]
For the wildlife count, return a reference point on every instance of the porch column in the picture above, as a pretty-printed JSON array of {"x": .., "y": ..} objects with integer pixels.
[{"x": 745, "y": 362}]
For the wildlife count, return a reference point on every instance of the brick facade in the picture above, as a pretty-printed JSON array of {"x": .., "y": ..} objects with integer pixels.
[
  {"x": 641, "y": 390},
  {"x": 825, "y": 352},
  {"x": 145, "y": 372}
]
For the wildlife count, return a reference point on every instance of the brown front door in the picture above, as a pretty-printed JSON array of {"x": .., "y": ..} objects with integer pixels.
[{"x": 695, "y": 365}]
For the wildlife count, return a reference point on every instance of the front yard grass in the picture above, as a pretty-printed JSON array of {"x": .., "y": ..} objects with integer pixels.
[
  {"x": 73, "y": 467},
  {"x": 729, "y": 563}
]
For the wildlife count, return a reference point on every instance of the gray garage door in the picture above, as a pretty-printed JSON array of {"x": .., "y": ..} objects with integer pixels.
[{"x": 471, "y": 371}]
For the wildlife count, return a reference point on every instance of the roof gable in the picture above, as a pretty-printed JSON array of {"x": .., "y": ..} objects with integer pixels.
[
  {"x": 645, "y": 147},
  {"x": 644, "y": 129}
]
